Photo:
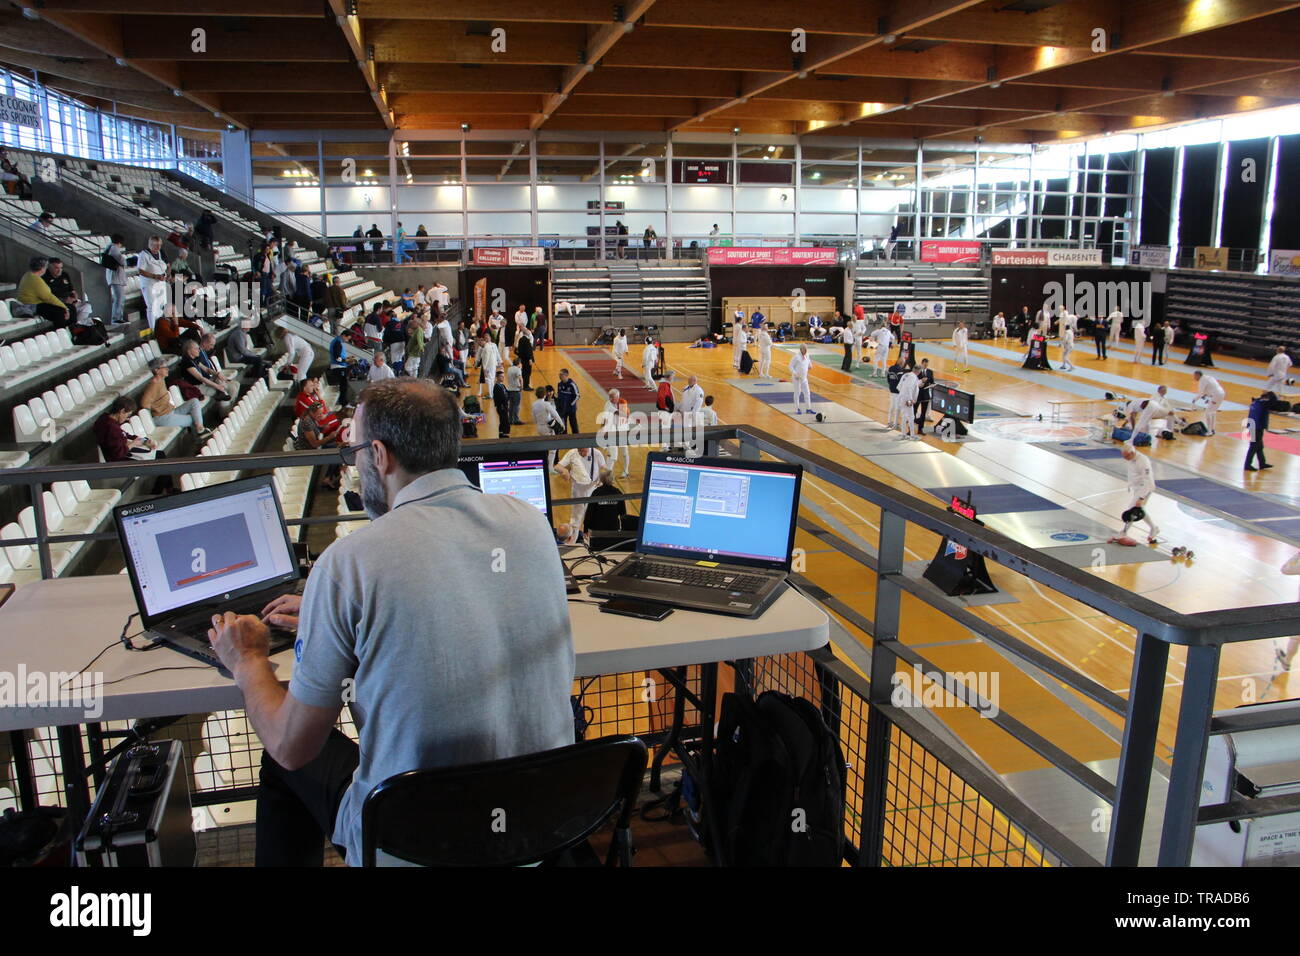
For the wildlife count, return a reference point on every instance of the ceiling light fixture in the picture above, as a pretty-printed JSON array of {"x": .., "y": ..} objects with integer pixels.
[
  {"x": 464, "y": 127},
  {"x": 889, "y": 38},
  {"x": 629, "y": 26},
  {"x": 119, "y": 61}
]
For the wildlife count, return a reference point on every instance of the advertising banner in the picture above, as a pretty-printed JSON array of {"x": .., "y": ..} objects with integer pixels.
[
  {"x": 1153, "y": 257},
  {"x": 20, "y": 112},
  {"x": 1284, "y": 262},
  {"x": 1211, "y": 257},
  {"x": 1047, "y": 257},
  {"x": 772, "y": 256},
  {"x": 480, "y": 299},
  {"x": 510, "y": 256},
  {"x": 945, "y": 250},
  {"x": 918, "y": 310}
]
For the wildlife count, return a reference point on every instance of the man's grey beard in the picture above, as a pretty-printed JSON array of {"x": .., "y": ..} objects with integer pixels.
[{"x": 373, "y": 496}]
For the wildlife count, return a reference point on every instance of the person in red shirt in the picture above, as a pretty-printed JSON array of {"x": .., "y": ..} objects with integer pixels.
[
  {"x": 310, "y": 396},
  {"x": 860, "y": 312},
  {"x": 167, "y": 330}
]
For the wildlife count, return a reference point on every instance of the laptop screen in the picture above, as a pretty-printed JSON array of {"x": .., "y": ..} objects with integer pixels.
[
  {"x": 214, "y": 543},
  {"x": 523, "y": 478},
  {"x": 720, "y": 509}
]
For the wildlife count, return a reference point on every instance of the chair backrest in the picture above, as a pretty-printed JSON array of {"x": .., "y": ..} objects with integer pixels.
[
  {"x": 115, "y": 364},
  {"x": 77, "y": 392},
  {"x": 25, "y": 425},
  {"x": 53, "y": 511},
  {"x": 155, "y": 350},
  {"x": 23, "y": 354},
  {"x": 187, "y": 483},
  {"x": 8, "y": 360},
  {"x": 65, "y": 337},
  {"x": 52, "y": 403},
  {"x": 19, "y": 555},
  {"x": 174, "y": 393},
  {"x": 135, "y": 426},
  {"x": 81, "y": 488},
  {"x": 551, "y": 801},
  {"x": 146, "y": 420},
  {"x": 97, "y": 379},
  {"x": 5, "y": 315},
  {"x": 109, "y": 374},
  {"x": 55, "y": 342},
  {"x": 87, "y": 384},
  {"x": 65, "y": 396},
  {"x": 39, "y": 411},
  {"x": 42, "y": 345},
  {"x": 66, "y": 497}
]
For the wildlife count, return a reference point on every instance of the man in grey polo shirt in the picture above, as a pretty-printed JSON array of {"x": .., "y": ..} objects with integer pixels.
[{"x": 432, "y": 680}]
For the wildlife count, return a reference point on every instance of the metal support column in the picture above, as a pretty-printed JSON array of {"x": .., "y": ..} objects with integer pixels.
[
  {"x": 1137, "y": 751},
  {"x": 1190, "y": 742},
  {"x": 889, "y": 602}
]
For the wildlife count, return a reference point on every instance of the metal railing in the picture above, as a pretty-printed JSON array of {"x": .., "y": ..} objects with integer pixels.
[{"x": 894, "y": 757}]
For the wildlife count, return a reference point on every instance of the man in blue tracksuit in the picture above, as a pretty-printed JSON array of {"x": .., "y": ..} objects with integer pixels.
[
  {"x": 1258, "y": 423},
  {"x": 566, "y": 401}
]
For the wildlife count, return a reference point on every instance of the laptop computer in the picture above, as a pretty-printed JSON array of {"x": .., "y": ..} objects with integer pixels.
[
  {"x": 716, "y": 534},
  {"x": 525, "y": 478},
  {"x": 220, "y": 548}
]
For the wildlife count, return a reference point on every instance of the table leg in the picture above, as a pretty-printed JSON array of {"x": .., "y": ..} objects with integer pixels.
[
  {"x": 75, "y": 788},
  {"x": 23, "y": 770},
  {"x": 675, "y": 730},
  {"x": 708, "y": 706}
]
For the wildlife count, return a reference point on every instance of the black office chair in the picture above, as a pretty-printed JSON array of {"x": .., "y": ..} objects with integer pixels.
[{"x": 512, "y": 812}]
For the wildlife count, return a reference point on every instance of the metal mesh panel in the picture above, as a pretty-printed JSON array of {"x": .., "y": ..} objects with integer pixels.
[{"x": 932, "y": 816}]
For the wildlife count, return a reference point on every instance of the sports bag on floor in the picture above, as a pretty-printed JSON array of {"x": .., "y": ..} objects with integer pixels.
[{"x": 779, "y": 783}]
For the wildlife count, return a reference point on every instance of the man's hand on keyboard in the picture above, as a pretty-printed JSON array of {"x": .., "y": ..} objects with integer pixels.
[
  {"x": 238, "y": 639},
  {"x": 283, "y": 612}
]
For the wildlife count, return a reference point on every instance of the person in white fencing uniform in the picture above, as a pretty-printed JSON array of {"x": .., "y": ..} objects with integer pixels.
[
  {"x": 1116, "y": 324},
  {"x": 909, "y": 391},
  {"x": 1286, "y": 655},
  {"x": 612, "y": 422},
  {"x": 960, "y": 337},
  {"x": 1157, "y": 407},
  {"x": 999, "y": 326},
  {"x": 1139, "y": 339},
  {"x": 799, "y": 367},
  {"x": 1278, "y": 368},
  {"x": 489, "y": 358},
  {"x": 582, "y": 466},
  {"x": 880, "y": 359},
  {"x": 1211, "y": 394},
  {"x": 764, "y": 352},
  {"x": 1141, "y": 485},
  {"x": 300, "y": 354},
  {"x": 894, "y": 379},
  {"x": 691, "y": 404},
  {"x": 1067, "y": 347},
  {"x": 620, "y": 352},
  {"x": 739, "y": 339},
  {"x": 649, "y": 359},
  {"x": 859, "y": 327}
]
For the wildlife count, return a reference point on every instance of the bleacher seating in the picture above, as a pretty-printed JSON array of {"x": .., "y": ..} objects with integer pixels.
[{"x": 27, "y": 359}]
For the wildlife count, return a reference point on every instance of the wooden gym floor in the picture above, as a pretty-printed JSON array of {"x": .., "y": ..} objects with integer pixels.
[{"x": 1234, "y": 565}]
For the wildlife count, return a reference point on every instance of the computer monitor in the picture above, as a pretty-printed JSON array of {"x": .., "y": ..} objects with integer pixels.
[
  {"x": 525, "y": 478},
  {"x": 221, "y": 542},
  {"x": 725, "y": 509}
]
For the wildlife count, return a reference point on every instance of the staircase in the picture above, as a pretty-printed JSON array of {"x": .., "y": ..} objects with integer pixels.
[{"x": 673, "y": 295}]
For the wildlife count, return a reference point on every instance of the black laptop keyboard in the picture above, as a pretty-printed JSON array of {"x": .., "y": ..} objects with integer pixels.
[{"x": 697, "y": 577}]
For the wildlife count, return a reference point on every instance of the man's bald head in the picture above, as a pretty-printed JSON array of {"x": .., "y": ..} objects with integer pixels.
[{"x": 417, "y": 421}]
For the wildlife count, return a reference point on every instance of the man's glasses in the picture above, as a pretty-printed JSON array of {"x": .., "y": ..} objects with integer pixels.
[{"x": 349, "y": 452}]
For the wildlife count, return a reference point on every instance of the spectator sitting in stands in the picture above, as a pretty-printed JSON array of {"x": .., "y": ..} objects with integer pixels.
[
  {"x": 313, "y": 433},
  {"x": 379, "y": 368},
  {"x": 86, "y": 329},
  {"x": 157, "y": 399},
  {"x": 34, "y": 290},
  {"x": 168, "y": 331},
  {"x": 60, "y": 282},
  {"x": 117, "y": 444},
  {"x": 208, "y": 348},
  {"x": 198, "y": 372},
  {"x": 44, "y": 223},
  {"x": 182, "y": 266},
  {"x": 15, "y": 183},
  {"x": 239, "y": 351},
  {"x": 310, "y": 395}
]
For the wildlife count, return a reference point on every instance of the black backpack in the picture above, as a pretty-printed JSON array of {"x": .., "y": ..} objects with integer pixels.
[
  {"x": 746, "y": 363},
  {"x": 779, "y": 783}
]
